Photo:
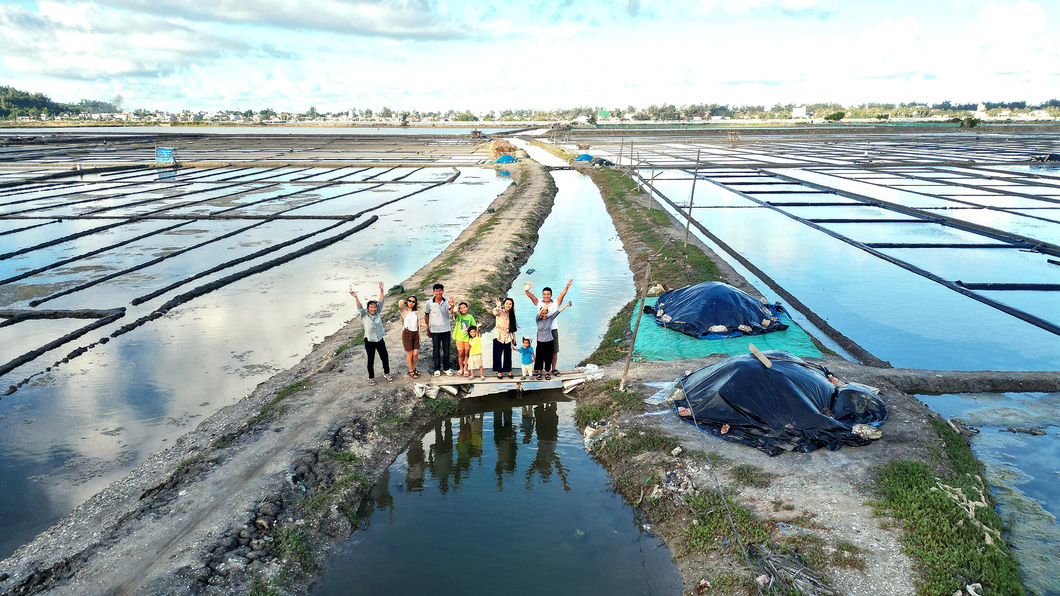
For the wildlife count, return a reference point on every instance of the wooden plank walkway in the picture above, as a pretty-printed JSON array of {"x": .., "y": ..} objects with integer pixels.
[{"x": 493, "y": 380}]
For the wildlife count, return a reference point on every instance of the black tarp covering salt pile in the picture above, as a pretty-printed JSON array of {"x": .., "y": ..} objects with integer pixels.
[
  {"x": 714, "y": 310},
  {"x": 792, "y": 406}
]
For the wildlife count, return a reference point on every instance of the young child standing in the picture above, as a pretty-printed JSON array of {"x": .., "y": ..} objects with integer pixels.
[
  {"x": 528, "y": 358},
  {"x": 474, "y": 357},
  {"x": 462, "y": 322}
]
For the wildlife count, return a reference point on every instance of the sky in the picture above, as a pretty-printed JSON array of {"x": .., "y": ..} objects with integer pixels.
[{"x": 435, "y": 55}]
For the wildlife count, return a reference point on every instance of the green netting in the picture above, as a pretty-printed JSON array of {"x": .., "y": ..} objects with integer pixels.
[{"x": 657, "y": 343}]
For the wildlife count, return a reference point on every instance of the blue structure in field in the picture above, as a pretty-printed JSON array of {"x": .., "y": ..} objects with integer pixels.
[
  {"x": 505, "y": 159},
  {"x": 584, "y": 157}
]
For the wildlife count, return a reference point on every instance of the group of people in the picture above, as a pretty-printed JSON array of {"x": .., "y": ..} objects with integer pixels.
[{"x": 447, "y": 322}]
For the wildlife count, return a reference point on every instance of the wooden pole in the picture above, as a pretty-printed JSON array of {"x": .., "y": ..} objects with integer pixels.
[
  {"x": 651, "y": 187},
  {"x": 688, "y": 219},
  {"x": 636, "y": 326}
]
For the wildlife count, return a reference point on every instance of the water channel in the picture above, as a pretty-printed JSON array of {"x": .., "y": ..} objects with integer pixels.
[{"x": 503, "y": 496}]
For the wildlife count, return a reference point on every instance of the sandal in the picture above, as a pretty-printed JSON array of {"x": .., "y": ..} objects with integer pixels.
[
  {"x": 547, "y": 377},
  {"x": 538, "y": 377},
  {"x": 500, "y": 375},
  {"x": 510, "y": 376},
  {"x": 371, "y": 381},
  {"x": 415, "y": 374},
  {"x": 388, "y": 377},
  {"x": 555, "y": 372}
]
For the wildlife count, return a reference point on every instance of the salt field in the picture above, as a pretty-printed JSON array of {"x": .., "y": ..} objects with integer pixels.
[{"x": 137, "y": 238}]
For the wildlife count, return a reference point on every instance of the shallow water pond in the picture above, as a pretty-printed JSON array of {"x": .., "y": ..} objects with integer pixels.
[{"x": 500, "y": 498}]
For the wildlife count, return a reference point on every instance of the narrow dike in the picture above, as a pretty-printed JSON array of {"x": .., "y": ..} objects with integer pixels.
[{"x": 257, "y": 492}]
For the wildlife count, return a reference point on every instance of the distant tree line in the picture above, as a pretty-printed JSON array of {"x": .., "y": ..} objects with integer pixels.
[{"x": 15, "y": 103}]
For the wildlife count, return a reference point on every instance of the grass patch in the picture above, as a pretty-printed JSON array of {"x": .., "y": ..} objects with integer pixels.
[
  {"x": 848, "y": 555},
  {"x": 273, "y": 407},
  {"x": 351, "y": 516},
  {"x": 186, "y": 463},
  {"x": 729, "y": 583},
  {"x": 586, "y": 414},
  {"x": 710, "y": 528},
  {"x": 950, "y": 551},
  {"x": 605, "y": 401},
  {"x": 260, "y": 587},
  {"x": 808, "y": 546},
  {"x": 346, "y": 345},
  {"x": 749, "y": 475},
  {"x": 441, "y": 407},
  {"x": 618, "y": 446},
  {"x": 387, "y": 424},
  {"x": 291, "y": 544},
  {"x": 350, "y": 477}
]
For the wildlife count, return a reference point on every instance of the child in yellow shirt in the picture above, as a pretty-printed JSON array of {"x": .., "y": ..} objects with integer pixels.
[{"x": 474, "y": 357}]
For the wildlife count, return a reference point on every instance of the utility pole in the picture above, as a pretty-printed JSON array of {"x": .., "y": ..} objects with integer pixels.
[{"x": 636, "y": 326}]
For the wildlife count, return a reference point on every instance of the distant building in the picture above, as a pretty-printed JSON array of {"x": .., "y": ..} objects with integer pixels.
[{"x": 799, "y": 112}]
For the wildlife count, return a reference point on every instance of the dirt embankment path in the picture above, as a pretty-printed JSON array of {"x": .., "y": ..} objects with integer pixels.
[{"x": 260, "y": 489}]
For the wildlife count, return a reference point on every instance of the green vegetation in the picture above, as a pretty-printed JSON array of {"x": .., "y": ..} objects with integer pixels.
[
  {"x": 15, "y": 103},
  {"x": 346, "y": 345},
  {"x": 441, "y": 407},
  {"x": 848, "y": 555},
  {"x": 710, "y": 525},
  {"x": 635, "y": 441},
  {"x": 951, "y": 526},
  {"x": 836, "y": 116},
  {"x": 260, "y": 587},
  {"x": 186, "y": 463},
  {"x": 291, "y": 545},
  {"x": 749, "y": 475},
  {"x": 350, "y": 476},
  {"x": 606, "y": 400},
  {"x": 387, "y": 424},
  {"x": 273, "y": 407}
]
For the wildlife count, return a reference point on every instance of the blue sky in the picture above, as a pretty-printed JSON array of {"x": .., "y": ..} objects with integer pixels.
[{"x": 436, "y": 55}]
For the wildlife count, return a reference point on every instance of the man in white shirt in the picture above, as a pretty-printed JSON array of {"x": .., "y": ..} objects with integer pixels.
[
  {"x": 553, "y": 306},
  {"x": 438, "y": 318}
]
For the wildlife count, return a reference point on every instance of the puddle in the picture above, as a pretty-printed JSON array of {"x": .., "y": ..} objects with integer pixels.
[{"x": 504, "y": 494}]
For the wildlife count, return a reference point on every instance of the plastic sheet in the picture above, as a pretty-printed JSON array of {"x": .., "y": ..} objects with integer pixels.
[
  {"x": 715, "y": 310},
  {"x": 792, "y": 406}
]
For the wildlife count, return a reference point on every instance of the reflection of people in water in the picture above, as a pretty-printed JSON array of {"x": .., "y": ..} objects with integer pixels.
[
  {"x": 416, "y": 460},
  {"x": 547, "y": 418},
  {"x": 504, "y": 439},
  {"x": 440, "y": 459},
  {"x": 379, "y": 495},
  {"x": 526, "y": 424}
]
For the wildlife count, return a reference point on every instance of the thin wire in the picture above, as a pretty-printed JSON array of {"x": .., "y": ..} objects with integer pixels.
[{"x": 713, "y": 473}]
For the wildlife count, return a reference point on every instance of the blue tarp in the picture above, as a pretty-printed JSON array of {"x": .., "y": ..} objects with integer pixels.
[
  {"x": 505, "y": 159},
  {"x": 584, "y": 157},
  {"x": 715, "y": 310}
]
